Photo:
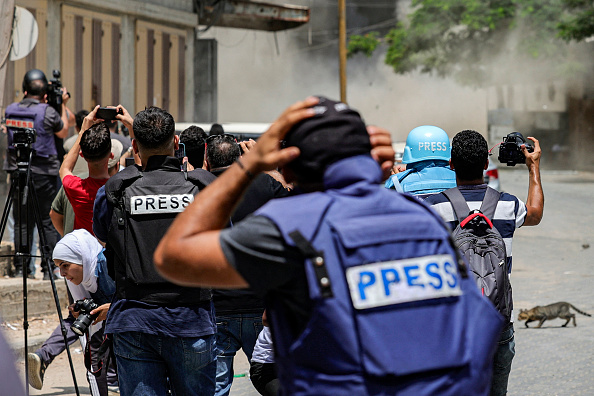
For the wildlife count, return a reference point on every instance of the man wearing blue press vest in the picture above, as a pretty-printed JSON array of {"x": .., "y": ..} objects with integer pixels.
[
  {"x": 45, "y": 163},
  {"x": 363, "y": 289}
]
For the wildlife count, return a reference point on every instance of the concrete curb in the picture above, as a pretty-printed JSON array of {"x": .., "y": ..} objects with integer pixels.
[{"x": 40, "y": 298}]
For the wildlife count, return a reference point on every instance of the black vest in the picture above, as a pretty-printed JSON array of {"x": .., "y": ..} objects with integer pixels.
[{"x": 145, "y": 204}]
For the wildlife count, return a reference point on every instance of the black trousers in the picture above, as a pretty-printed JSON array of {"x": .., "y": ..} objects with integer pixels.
[
  {"x": 46, "y": 188},
  {"x": 264, "y": 378}
]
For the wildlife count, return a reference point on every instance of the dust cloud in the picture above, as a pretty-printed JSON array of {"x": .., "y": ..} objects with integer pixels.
[{"x": 260, "y": 74}]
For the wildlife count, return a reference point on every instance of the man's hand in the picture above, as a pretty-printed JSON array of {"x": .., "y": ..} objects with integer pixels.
[
  {"x": 397, "y": 168},
  {"x": 189, "y": 167},
  {"x": 126, "y": 119},
  {"x": 72, "y": 311},
  {"x": 247, "y": 145},
  {"x": 532, "y": 158},
  {"x": 90, "y": 120},
  {"x": 381, "y": 148},
  {"x": 267, "y": 154},
  {"x": 65, "y": 115},
  {"x": 65, "y": 96},
  {"x": 102, "y": 311}
]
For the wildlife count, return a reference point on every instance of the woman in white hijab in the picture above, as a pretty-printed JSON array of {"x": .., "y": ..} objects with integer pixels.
[{"x": 79, "y": 256}]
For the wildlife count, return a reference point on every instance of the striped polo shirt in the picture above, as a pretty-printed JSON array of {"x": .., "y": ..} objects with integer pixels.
[{"x": 509, "y": 214}]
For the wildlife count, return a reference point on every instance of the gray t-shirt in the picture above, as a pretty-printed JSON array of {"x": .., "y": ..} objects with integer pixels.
[
  {"x": 274, "y": 270},
  {"x": 61, "y": 205}
]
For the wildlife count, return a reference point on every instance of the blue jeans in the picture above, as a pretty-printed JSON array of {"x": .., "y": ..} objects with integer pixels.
[
  {"x": 149, "y": 364},
  {"x": 234, "y": 332},
  {"x": 504, "y": 355}
]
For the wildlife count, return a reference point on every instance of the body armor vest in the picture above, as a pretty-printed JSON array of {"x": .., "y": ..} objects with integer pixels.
[
  {"x": 393, "y": 309},
  {"x": 145, "y": 204},
  {"x": 429, "y": 179},
  {"x": 44, "y": 145}
]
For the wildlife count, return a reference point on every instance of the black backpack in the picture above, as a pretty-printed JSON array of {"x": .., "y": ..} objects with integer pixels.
[{"x": 483, "y": 247}]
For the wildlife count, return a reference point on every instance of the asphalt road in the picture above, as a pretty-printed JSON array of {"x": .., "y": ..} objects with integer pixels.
[{"x": 553, "y": 261}]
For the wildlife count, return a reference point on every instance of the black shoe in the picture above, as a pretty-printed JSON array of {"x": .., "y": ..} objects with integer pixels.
[
  {"x": 18, "y": 273},
  {"x": 31, "y": 276},
  {"x": 36, "y": 370}
]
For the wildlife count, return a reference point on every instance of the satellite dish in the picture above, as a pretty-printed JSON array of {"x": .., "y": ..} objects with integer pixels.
[{"x": 24, "y": 33}]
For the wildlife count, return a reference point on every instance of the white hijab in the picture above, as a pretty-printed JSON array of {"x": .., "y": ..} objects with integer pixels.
[{"x": 80, "y": 247}]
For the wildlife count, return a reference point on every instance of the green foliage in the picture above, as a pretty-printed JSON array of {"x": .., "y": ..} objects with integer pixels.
[
  {"x": 472, "y": 39},
  {"x": 365, "y": 44},
  {"x": 578, "y": 24}
]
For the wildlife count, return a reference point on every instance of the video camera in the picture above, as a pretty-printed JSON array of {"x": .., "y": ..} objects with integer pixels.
[
  {"x": 510, "y": 150},
  {"x": 54, "y": 92},
  {"x": 84, "y": 320},
  {"x": 23, "y": 132}
]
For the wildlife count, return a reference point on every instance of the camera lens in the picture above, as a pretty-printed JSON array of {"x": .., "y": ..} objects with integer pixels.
[{"x": 81, "y": 324}]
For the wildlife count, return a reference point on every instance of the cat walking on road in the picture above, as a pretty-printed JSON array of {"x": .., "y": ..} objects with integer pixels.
[{"x": 552, "y": 311}]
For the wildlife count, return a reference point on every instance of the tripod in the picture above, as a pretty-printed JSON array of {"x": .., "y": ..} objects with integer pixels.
[{"x": 23, "y": 189}]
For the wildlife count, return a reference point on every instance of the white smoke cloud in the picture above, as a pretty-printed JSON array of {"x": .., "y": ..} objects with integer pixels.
[{"x": 255, "y": 83}]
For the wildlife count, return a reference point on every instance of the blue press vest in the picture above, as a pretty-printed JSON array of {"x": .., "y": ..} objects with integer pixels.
[
  {"x": 44, "y": 145},
  {"x": 426, "y": 177},
  {"x": 439, "y": 346}
]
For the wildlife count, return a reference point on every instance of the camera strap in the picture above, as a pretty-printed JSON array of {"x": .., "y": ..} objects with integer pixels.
[{"x": 103, "y": 355}]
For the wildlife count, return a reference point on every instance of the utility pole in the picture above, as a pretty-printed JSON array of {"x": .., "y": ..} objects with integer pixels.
[{"x": 342, "y": 48}]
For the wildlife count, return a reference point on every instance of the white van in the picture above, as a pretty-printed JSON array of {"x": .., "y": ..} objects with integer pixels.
[{"x": 241, "y": 130}]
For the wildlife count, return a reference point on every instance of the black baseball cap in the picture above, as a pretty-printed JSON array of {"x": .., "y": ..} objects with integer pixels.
[{"x": 334, "y": 133}]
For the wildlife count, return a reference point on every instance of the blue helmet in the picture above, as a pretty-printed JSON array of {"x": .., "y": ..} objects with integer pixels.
[{"x": 426, "y": 142}]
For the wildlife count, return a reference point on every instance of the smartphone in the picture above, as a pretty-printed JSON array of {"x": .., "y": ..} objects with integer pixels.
[
  {"x": 108, "y": 113},
  {"x": 129, "y": 161},
  {"x": 180, "y": 153}
]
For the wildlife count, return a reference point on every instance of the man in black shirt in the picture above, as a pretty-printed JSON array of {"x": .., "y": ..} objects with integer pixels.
[{"x": 238, "y": 312}]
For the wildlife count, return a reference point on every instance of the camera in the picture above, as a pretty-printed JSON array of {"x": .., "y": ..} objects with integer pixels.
[
  {"x": 54, "y": 92},
  {"x": 23, "y": 137},
  {"x": 23, "y": 132},
  {"x": 84, "y": 320},
  {"x": 510, "y": 150}
]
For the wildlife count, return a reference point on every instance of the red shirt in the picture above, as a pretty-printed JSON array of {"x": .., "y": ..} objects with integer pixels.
[{"x": 81, "y": 194}]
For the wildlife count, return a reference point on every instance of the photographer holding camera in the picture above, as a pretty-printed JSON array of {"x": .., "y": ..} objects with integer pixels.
[
  {"x": 470, "y": 156},
  {"x": 80, "y": 259},
  {"x": 45, "y": 162}
]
